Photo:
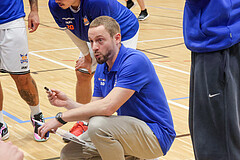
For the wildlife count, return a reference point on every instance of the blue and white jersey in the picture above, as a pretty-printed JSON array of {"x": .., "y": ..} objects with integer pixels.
[
  {"x": 133, "y": 70},
  {"x": 11, "y": 10},
  {"x": 79, "y": 22}
]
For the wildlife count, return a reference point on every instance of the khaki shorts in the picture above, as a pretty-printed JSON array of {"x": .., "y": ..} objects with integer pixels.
[{"x": 14, "y": 48}]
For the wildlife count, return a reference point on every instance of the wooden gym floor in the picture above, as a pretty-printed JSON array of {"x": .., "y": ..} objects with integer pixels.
[{"x": 52, "y": 61}]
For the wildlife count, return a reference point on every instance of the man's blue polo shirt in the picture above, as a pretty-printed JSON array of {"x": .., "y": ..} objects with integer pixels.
[{"x": 133, "y": 70}]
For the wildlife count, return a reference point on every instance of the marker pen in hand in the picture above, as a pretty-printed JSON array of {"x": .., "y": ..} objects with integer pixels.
[{"x": 48, "y": 90}]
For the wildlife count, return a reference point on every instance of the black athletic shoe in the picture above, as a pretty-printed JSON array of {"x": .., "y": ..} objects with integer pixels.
[
  {"x": 130, "y": 4},
  {"x": 38, "y": 117},
  {"x": 143, "y": 15}
]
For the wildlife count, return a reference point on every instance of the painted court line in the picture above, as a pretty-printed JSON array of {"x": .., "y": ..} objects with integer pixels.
[
  {"x": 177, "y": 104},
  {"x": 172, "y": 9},
  {"x": 179, "y": 98},
  {"x": 19, "y": 120},
  {"x": 49, "y": 50},
  {"x": 173, "y": 69},
  {"x": 163, "y": 39},
  {"x": 148, "y": 6},
  {"x": 48, "y": 59}
]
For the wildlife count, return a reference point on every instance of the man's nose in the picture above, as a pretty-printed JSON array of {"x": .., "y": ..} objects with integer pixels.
[{"x": 94, "y": 46}]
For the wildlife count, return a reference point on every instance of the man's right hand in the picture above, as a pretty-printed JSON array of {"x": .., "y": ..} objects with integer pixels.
[{"x": 57, "y": 98}]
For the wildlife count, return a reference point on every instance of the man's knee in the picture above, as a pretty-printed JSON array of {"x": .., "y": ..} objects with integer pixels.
[
  {"x": 22, "y": 79},
  {"x": 97, "y": 126}
]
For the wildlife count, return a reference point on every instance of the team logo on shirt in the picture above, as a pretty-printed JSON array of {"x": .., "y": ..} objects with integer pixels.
[
  {"x": 115, "y": 80},
  {"x": 85, "y": 21},
  {"x": 24, "y": 58},
  {"x": 69, "y": 22},
  {"x": 102, "y": 81}
]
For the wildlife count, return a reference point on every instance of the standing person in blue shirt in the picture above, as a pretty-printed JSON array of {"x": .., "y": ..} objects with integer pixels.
[
  {"x": 74, "y": 16},
  {"x": 126, "y": 83},
  {"x": 14, "y": 57},
  {"x": 211, "y": 31}
]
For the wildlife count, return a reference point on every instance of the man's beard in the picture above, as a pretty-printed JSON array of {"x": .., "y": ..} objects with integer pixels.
[{"x": 104, "y": 58}]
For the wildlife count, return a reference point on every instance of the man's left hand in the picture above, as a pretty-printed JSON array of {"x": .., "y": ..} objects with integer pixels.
[{"x": 51, "y": 126}]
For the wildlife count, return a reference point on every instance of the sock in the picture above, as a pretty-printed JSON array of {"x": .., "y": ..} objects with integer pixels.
[
  {"x": 35, "y": 110},
  {"x": 1, "y": 117}
]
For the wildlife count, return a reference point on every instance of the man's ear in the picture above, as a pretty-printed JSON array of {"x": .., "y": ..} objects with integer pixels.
[{"x": 118, "y": 38}]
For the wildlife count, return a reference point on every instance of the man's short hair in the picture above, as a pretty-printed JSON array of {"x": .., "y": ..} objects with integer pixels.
[{"x": 110, "y": 24}]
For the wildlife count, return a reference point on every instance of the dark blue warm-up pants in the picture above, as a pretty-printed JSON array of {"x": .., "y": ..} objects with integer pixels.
[{"x": 214, "y": 114}]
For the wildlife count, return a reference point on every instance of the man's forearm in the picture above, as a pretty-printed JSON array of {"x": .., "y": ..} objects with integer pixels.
[
  {"x": 71, "y": 104},
  {"x": 33, "y": 5},
  {"x": 99, "y": 106},
  {"x": 86, "y": 111}
]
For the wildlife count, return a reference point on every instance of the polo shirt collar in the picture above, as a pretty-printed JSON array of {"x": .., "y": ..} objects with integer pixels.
[
  {"x": 119, "y": 58},
  {"x": 117, "y": 61}
]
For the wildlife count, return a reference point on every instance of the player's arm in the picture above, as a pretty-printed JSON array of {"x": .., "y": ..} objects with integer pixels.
[
  {"x": 82, "y": 45},
  {"x": 86, "y": 61},
  {"x": 33, "y": 17}
]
